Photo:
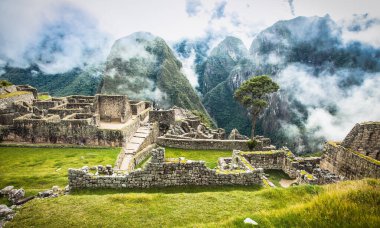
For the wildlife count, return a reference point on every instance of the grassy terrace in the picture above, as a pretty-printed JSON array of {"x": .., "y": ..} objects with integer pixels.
[
  {"x": 36, "y": 169},
  {"x": 17, "y": 93},
  {"x": 209, "y": 156},
  {"x": 44, "y": 97},
  {"x": 340, "y": 205}
]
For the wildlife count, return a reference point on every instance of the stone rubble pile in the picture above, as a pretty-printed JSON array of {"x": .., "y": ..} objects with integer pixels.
[{"x": 17, "y": 197}]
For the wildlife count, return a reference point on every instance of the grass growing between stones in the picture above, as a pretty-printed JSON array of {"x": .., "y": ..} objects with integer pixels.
[
  {"x": 209, "y": 156},
  {"x": 36, "y": 169},
  {"x": 275, "y": 176},
  {"x": 347, "y": 204},
  {"x": 44, "y": 97}
]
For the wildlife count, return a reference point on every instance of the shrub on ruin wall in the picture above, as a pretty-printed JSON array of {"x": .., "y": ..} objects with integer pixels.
[
  {"x": 251, "y": 144},
  {"x": 4, "y": 83}
]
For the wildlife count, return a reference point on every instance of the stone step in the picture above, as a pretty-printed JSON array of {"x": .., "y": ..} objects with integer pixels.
[
  {"x": 132, "y": 146},
  {"x": 140, "y": 135},
  {"x": 143, "y": 130},
  {"x": 137, "y": 140}
]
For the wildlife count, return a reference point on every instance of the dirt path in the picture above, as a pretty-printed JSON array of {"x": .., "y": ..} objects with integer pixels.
[{"x": 286, "y": 183}]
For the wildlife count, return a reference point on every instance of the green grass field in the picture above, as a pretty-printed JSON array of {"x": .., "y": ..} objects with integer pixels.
[
  {"x": 36, "y": 169},
  {"x": 275, "y": 176},
  {"x": 347, "y": 204},
  {"x": 209, "y": 156}
]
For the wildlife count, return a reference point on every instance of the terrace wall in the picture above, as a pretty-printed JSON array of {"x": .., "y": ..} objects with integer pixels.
[
  {"x": 113, "y": 108},
  {"x": 207, "y": 144},
  {"x": 348, "y": 163},
  {"x": 365, "y": 139},
  {"x": 53, "y": 129},
  {"x": 159, "y": 173}
]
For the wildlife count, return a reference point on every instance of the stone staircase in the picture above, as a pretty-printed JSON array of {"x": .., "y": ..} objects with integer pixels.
[{"x": 138, "y": 142}]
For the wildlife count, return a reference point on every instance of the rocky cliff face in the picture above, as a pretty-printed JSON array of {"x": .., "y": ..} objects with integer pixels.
[
  {"x": 143, "y": 66},
  {"x": 311, "y": 46}
]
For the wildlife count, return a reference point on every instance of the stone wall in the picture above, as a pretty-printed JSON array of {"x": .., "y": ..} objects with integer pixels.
[
  {"x": 45, "y": 104},
  {"x": 348, "y": 163},
  {"x": 281, "y": 160},
  {"x": 80, "y": 99},
  {"x": 165, "y": 118},
  {"x": 364, "y": 138},
  {"x": 8, "y": 89},
  {"x": 70, "y": 130},
  {"x": 138, "y": 107},
  {"x": 266, "y": 160},
  {"x": 8, "y": 102},
  {"x": 159, "y": 173},
  {"x": 113, "y": 108},
  {"x": 205, "y": 144}
]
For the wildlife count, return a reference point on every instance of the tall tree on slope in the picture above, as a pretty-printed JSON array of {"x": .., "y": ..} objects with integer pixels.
[{"x": 254, "y": 94}]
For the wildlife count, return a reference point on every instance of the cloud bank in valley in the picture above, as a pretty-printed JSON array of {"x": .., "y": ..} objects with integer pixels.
[
  {"x": 56, "y": 37},
  {"x": 332, "y": 109}
]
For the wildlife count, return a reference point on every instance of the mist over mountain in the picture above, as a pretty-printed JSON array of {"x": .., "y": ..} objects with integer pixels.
[
  {"x": 319, "y": 71},
  {"x": 328, "y": 71},
  {"x": 143, "y": 66}
]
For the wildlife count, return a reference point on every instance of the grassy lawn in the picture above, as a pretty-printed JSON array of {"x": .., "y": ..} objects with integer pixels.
[
  {"x": 209, "y": 156},
  {"x": 36, "y": 169},
  {"x": 276, "y": 175},
  {"x": 44, "y": 97},
  {"x": 338, "y": 205},
  {"x": 17, "y": 93}
]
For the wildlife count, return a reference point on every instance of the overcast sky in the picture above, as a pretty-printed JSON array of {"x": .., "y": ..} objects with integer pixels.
[
  {"x": 176, "y": 19},
  {"x": 23, "y": 23}
]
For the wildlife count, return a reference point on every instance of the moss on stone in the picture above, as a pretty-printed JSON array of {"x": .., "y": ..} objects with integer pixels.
[{"x": 13, "y": 94}]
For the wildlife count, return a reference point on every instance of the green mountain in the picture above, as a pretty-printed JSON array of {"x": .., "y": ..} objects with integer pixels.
[
  {"x": 143, "y": 66},
  {"x": 314, "y": 44},
  {"x": 76, "y": 81},
  {"x": 229, "y": 64}
]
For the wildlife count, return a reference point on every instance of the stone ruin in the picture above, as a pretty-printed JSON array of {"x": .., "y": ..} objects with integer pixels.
[
  {"x": 357, "y": 156},
  {"x": 114, "y": 120},
  {"x": 180, "y": 128},
  {"x": 160, "y": 172},
  {"x": 101, "y": 120}
]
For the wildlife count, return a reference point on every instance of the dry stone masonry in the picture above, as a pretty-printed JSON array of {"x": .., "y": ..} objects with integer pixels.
[
  {"x": 162, "y": 173},
  {"x": 114, "y": 120}
]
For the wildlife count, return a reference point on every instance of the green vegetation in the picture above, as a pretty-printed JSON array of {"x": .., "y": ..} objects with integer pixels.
[
  {"x": 275, "y": 176},
  {"x": 44, "y": 97},
  {"x": 253, "y": 94},
  {"x": 308, "y": 175},
  {"x": 36, "y": 169},
  {"x": 209, "y": 156},
  {"x": 17, "y": 93},
  {"x": 73, "y": 82},
  {"x": 315, "y": 154},
  {"x": 347, "y": 204},
  {"x": 206, "y": 119},
  {"x": 143, "y": 163},
  {"x": 251, "y": 144},
  {"x": 4, "y": 83}
]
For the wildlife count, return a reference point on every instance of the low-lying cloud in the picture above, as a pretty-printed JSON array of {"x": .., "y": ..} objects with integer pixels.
[
  {"x": 57, "y": 37},
  {"x": 332, "y": 109}
]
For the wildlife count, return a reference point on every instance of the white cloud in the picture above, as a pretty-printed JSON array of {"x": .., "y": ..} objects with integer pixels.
[
  {"x": 351, "y": 105},
  {"x": 188, "y": 68}
]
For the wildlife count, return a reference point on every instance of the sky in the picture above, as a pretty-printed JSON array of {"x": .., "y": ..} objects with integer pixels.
[
  {"x": 21, "y": 20},
  {"x": 62, "y": 34},
  {"x": 31, "y": 31}
]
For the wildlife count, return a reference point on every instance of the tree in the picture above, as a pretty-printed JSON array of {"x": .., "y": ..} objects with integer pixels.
[{"x": 253, "y": 94}]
